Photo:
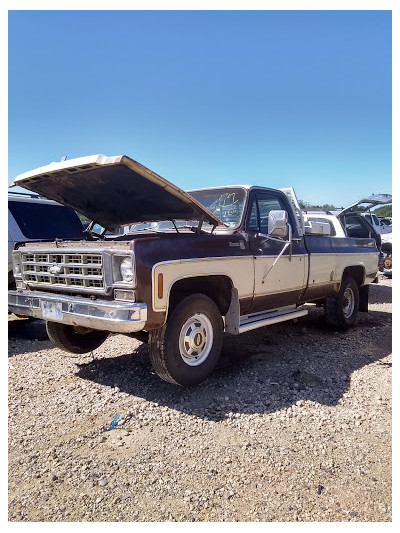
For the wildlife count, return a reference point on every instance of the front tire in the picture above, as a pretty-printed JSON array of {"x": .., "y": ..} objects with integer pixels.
[
  {"x": 342, "y": 310},
  {"x": 73, "y": 339},
  {"x": 187, "y": 348}
]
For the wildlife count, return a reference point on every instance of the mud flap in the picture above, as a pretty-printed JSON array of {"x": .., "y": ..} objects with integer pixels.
[
  {"x": 364, "y": 294},
  {"x": 232, "y": 317}
]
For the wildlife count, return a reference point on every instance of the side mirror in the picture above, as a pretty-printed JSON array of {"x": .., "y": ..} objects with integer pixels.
[{"x": 278, "y": 223}]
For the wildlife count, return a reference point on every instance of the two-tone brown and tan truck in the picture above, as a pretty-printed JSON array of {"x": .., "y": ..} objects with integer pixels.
[{"x": 189, "y": 266}]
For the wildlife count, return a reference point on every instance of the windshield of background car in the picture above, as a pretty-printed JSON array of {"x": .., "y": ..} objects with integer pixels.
[
  {"x": 225, "y": 203},
  {"x": 46, "y": 221}
]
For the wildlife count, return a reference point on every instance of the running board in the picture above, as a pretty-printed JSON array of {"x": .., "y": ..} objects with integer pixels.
[{"x": 248, "y": 322}]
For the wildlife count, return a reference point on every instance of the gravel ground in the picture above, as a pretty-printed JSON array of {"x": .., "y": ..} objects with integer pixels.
[{"x": 294, "y": 425}]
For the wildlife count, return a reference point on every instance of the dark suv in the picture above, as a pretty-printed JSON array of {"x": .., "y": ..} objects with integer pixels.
[{"x": 32, "y": 218}]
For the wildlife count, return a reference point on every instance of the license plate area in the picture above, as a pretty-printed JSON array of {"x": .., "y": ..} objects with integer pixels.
[{"x": 52, "y": 310}]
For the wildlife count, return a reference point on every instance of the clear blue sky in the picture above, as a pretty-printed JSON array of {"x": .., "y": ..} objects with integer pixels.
[{"x": 274, "y": 98}]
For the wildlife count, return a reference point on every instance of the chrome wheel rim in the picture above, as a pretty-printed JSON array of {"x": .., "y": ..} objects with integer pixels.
[
  {"x": 196, "y": 339},
  {"x": 348, "y": 302}
]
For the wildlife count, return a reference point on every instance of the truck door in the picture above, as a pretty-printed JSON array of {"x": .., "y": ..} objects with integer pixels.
[{"x": 284, "y": 283}]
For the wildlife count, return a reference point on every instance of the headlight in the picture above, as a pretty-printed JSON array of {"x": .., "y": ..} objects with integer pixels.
[
  {"x": 17, "y": 264},
  {"x": 126, "y": 269},
  {"x": 123, "y": 268}
]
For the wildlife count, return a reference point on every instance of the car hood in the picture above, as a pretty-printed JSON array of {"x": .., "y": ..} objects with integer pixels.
[
  {"x": 113, "y": 191},
  {"x": 365, "y": 204}
]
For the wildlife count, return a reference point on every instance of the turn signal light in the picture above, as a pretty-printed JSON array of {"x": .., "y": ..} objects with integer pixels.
[{"x": 160, "y": 286}]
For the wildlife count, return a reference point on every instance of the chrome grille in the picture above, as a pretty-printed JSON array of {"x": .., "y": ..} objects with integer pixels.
[{"x": 80, "y": 270}]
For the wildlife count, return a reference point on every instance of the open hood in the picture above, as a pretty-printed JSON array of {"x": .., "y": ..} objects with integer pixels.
[
  {"x": 113, "y": 191},
  {"x": 367, "y": 203}
]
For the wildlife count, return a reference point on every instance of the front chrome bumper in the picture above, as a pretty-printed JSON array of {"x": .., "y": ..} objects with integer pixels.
[{"x": 119, "y": 317}]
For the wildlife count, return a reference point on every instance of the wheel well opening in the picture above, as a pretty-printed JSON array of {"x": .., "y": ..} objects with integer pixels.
[
  {"x": 218, "y": 288},
  {"x": 356, "y": 272}
]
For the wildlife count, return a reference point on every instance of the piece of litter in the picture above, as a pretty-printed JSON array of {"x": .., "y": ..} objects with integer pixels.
[{"x": 113, "y": 422}]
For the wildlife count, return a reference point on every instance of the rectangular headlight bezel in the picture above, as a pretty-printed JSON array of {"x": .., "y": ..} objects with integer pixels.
[
  {"x": 117, "y": 279},
  {"x": 17, "y": 264}
]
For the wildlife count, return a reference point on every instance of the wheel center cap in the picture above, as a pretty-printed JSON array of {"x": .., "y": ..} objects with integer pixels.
[{"x": 198, "y": 339}]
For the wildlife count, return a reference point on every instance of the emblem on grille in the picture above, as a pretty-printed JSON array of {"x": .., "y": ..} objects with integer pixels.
[{"x": 55, "y": 269}]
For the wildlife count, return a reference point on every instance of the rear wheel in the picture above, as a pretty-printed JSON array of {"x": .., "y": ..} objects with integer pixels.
[
  {"x": 187, "y": 348},
  {"x": 75, "y": 339},
  {"x": 342, "y": 310}
]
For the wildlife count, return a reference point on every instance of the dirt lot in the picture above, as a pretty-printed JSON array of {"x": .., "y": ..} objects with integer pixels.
[{"x": 295, "y": 425}]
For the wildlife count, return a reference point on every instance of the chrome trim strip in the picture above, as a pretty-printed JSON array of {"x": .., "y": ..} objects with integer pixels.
[
  {"x": 119, "y": 317},
  {"x": 365, "y": 251}
]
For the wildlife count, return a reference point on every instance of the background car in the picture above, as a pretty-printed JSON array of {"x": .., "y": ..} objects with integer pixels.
[
  {"x": 32, "y": 218},
  {"x": 350, "y": 224}
]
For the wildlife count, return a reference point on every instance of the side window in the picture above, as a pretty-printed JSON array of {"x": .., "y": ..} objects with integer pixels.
[
  {"x": 375, "y": 220},
  {"x": 262, "y": 204},
  {"x": 253, "y": 218},
  {"x": 267, "y": 203}
]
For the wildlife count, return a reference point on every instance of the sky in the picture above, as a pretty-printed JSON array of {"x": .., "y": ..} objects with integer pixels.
[{"x": 207, "y": 98}]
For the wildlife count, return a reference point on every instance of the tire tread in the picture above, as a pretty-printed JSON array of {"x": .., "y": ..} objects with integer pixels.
[
  {"x": 333, "y": 306},
  {"x": 157, "y": 354},
  {"x": 162, "y": 343}
]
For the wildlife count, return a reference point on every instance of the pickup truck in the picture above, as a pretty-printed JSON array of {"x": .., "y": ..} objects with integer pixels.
[{"x": 195, "y": 265}]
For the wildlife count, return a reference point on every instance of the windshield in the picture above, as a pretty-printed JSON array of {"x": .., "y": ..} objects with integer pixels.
[
  {"x": 226, "y": 203},
  {"x": 46, "y": 221}
]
